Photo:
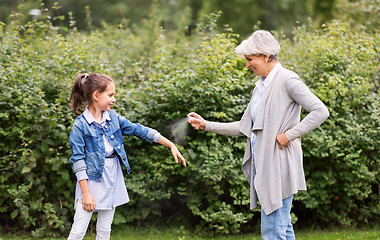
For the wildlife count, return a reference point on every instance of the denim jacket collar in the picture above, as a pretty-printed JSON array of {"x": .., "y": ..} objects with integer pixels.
[{"x": 90, "y": 119}]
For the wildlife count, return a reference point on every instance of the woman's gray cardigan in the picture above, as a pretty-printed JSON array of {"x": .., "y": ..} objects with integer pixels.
[{"x": 279, "y": 173}]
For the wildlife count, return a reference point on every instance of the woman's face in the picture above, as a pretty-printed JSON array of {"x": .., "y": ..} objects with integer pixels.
[{"x": 258, "y": 64}]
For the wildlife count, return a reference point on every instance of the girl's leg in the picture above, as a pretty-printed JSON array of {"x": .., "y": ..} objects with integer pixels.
[
  {"x": 103, "y": 224},
  {"x": 81, "y": 221}
]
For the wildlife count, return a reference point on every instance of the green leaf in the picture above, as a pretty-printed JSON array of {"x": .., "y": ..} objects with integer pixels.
[
  {"x": 44, "y": 146},
  {"x": 14, "y": 214},
  {"x": 25, "y": 169},
  {"x": 145, "y": 212}
]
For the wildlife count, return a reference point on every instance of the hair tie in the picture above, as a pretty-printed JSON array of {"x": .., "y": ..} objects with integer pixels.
[{"x": 84, "y": 77}]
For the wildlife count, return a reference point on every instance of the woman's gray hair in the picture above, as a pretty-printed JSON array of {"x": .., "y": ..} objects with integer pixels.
[{"x": 261, "y": 42}]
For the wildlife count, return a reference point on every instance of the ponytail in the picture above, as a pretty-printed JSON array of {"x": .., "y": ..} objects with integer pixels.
[
  {"x": 77, "y": 95},
  {"x": 84, "y": 86}
]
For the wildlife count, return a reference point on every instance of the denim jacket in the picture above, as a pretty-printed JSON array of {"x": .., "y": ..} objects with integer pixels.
[{"x": 87, "y": 144}]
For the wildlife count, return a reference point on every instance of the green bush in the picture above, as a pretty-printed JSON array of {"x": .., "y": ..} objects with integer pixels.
[
  {"x": 341, "y": 158},
  {"x": 159, "y": 80},
  {"x": 211, "y": 81}
]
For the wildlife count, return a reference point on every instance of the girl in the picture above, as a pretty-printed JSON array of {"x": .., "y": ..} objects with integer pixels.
[{"x": 96, "y": 142}]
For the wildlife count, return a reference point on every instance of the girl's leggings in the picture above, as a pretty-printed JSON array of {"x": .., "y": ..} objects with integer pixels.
[{"x": 82, "y": 219}]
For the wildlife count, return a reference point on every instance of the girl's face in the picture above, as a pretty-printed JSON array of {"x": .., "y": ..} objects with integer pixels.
[
  {"x": 105, "y": 99},
  {"x": 256, "y": 63}
]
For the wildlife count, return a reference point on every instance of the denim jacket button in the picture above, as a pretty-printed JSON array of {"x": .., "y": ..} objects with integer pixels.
[
  {"x": 118, "y": 147},
  {"x": 112, "y": 137},
  {"x": 124, "y": 158},
  {"x": 105, "y": 127}
]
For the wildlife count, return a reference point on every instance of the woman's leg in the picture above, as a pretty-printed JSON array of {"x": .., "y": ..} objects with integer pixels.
[
  {"x": 103, "y": 224},
  {"x": 278, "y": 225},
  {"x": 80, "y": 224}
]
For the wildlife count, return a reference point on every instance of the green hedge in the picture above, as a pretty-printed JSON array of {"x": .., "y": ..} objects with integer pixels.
[
  {"x": 341, "y": 158},
  {"x": 159, "y": 80}
]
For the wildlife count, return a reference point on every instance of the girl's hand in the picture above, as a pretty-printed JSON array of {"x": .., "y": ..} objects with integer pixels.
[
  {"x": 175, "y": 152},
  {"x": 282, "y": 140},
  {"x": 196, "y": 121},
  {"x": 177, "y": 155},
  {"x": 88, "y": 202}
]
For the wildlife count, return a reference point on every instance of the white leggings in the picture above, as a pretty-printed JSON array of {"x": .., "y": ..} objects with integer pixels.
[{"x": 82, "y": 219}]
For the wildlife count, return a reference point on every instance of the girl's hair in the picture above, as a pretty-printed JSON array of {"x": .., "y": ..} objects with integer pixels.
[
  {"x": 261, "y": 42},
  {"x": 84, "y": 86}
]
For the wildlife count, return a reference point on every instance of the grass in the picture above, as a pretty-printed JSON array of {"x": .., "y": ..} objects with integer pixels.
[
  {"x": 178, "y": 234},
  {"x": 368, "y": 234}
]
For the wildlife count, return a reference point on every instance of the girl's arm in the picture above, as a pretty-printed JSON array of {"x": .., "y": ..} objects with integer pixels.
[
  {"x": 175, "y": 152},
  {"x": 77, "y": 144},
  {"x": 88, "y": 202}
]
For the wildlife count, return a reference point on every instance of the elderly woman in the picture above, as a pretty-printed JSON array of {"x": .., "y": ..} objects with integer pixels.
[{"x": 271, "y": 122}]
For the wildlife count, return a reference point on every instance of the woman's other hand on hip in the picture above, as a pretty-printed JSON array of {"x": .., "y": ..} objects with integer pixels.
[{"x": 282, "y": 140}]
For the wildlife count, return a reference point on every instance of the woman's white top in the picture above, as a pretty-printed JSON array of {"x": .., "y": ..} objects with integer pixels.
[{"x": 257, "y": 97}]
